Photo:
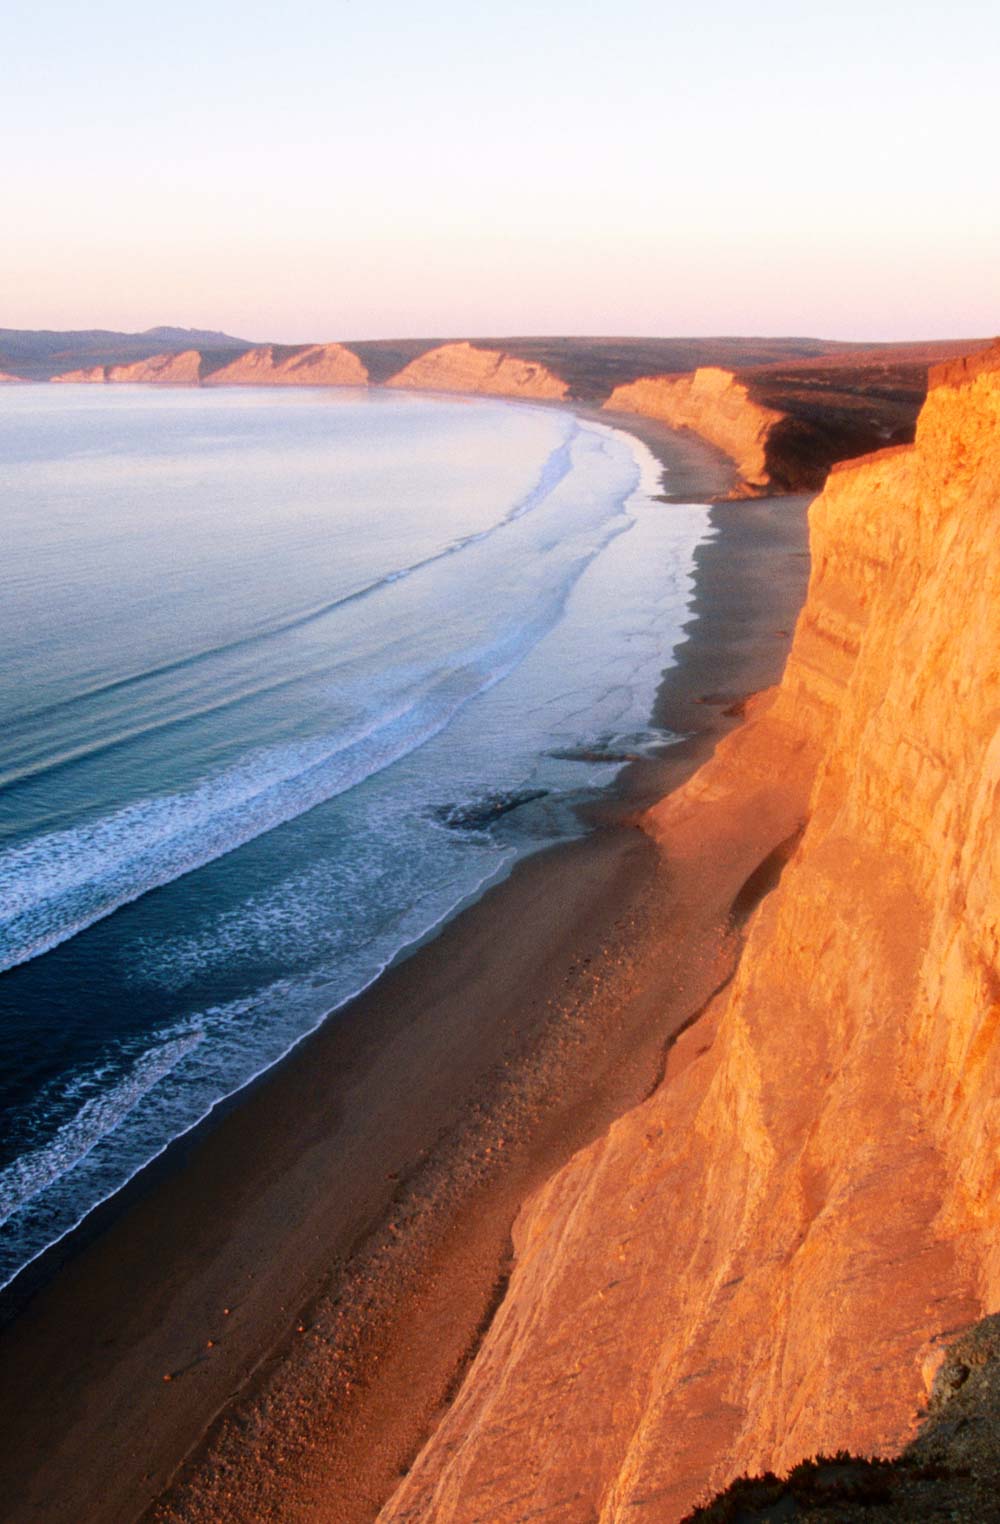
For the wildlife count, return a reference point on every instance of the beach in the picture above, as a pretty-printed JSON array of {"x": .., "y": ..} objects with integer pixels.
[{"x": 267, "y": 1322}]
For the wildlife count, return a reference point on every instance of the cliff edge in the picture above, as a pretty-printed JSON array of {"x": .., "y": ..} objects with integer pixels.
[
  {"x": 763, "y": 1260},
  {"x": 182, "y": 369},
  {"x": 491, "y": 372},
  {"x": 294, "y": 365},
  {"x": 714, "y": 404}
]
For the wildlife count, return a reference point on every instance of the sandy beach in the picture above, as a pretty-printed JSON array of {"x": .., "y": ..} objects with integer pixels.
[{"x": 266, "y": 1325}]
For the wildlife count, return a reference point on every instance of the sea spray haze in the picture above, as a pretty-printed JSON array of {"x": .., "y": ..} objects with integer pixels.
[{"x": 287, "y": 678}]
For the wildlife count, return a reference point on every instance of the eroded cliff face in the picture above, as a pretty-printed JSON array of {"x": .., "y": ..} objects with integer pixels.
[
  {"x": 90, "y": 373},
  {"x": 164, "y": 370},
  {"x": 308, "y": 365},
  {"x": 758, "y": 1262},
  {"x": 465, "y": 368},
  {"x": 713, "y": 404}
]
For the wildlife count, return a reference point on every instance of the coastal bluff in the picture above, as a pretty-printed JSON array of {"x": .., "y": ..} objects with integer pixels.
[
  {"x": 182, "y": 369},
  {"x": 301, "y": 365},
  {"x": 764, "y": 1260},
  {"x": 712, "y": 403},
  {"x": 267, "y": 365},
  {"x": 484, "y": 372},
  {"x": 783, "y": 411}
]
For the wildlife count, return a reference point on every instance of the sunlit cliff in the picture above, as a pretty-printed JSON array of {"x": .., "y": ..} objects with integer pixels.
[
  {"x": 165, "y": 370},
  {"x": 713, "y": 403},
  {"x": 467, "y": 368},
  {"x": 303, "y": 365},
  {"x": 760, "y": 1261}
]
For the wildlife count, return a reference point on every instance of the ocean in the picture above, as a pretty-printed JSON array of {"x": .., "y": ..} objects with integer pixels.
[{"x": 288, "y": 678}]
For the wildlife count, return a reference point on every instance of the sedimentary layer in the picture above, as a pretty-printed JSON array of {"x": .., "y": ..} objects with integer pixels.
[
  {"x": 758, "y": 1262},
  {"x": 714, "y": 404},
  {"x": 465, "y": 368},
  {"x": 303, "y": 365}
]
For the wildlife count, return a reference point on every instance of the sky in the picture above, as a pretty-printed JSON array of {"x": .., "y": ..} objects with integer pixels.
[{"x": 337, "y": 169}]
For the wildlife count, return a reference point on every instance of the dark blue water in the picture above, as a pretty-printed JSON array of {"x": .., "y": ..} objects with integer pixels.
[{"x": 276, "y": 667}]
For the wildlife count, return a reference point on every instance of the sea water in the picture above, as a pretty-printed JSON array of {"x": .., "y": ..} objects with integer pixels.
[{"x": 287, "y": 678}]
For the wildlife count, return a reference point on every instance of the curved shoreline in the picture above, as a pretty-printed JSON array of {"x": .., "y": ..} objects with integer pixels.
[
  {"x": 786, "y": 409},
  {"x": 201, "y": 1235},
  {"x": 43, "y": 1262}
]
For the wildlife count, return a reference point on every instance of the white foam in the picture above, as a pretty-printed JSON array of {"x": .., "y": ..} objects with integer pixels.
[
  {"x": 69, "y": 879},
  {"x": 58, "y": 884},
  {"x": 99, "y": 1115}
]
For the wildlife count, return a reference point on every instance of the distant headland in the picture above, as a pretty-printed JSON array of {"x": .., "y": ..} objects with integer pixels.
[{"x": 784, "y": 410}]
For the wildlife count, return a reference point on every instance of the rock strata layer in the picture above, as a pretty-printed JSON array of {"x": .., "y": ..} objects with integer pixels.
[
  {"x": 759, "y": 1262},
  {"x": 466, "y": 368},
  {"x": 712, "y": 403}
]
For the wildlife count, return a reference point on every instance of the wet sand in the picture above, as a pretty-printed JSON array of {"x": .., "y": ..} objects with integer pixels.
[{"x": 266, "y": 1325}]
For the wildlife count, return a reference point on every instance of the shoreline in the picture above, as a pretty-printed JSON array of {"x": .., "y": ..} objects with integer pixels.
[
  {"x": 696, "y": 470},
  {"x": 438, "y": 1174}
]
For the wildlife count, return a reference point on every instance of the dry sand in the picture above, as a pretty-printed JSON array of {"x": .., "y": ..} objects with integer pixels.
[{"x": 267, "y": 1324}]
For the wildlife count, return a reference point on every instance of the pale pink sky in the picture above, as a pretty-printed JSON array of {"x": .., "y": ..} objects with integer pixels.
[{"x": 329, "y": 171}]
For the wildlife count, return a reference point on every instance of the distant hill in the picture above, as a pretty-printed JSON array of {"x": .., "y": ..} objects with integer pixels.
[
  {"x": 193, "y": 338},
  {"x": 40, "y": 353}
]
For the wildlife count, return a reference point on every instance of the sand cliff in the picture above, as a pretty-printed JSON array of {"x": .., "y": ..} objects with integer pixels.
[
  {"x": 466, "y": 368},
  {"x": 88, "y": 373},
  {"x": 304, "y": 365},
  {"x": 164, "y": 370},
  {"x": 712, "y": 403},
  {"x": 759, "y": 1261}
]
